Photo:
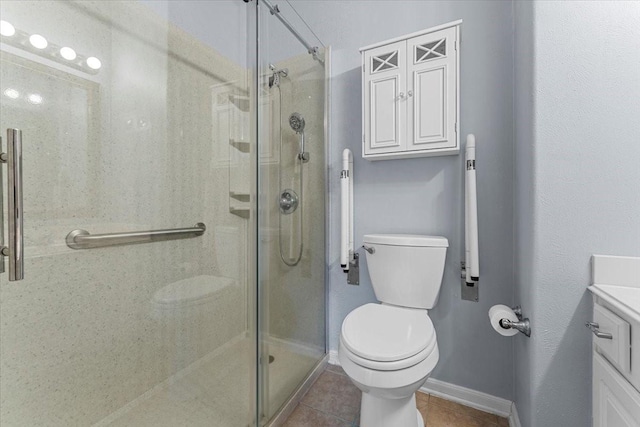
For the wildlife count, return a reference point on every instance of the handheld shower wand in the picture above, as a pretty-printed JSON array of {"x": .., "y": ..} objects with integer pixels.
[{"x": 296, "y": 121}]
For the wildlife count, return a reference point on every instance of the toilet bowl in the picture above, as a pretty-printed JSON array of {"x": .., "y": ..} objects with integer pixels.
[{"x": 388, "y": 350}]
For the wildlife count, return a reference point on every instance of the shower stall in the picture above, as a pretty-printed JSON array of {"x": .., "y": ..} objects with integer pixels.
[{"x": 163, "y": 212}]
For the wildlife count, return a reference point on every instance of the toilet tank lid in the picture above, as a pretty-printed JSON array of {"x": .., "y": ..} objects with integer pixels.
[{"x": 406, "y": 240}]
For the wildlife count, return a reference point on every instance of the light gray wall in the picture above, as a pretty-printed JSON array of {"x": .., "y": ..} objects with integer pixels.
[
  {"x": 579, "y": 183},
  {"x": 524, "y": 196},
  {"x": 425, "y": 195}
]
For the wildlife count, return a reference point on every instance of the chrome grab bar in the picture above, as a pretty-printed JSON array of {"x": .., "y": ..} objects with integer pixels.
[
  {"x": 82, "y": 239},
  {"x": 15, "y": 250}
]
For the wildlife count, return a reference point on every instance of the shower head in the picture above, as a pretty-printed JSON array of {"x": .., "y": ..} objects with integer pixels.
[
  {"x": 296, "y": 121},
  {"x": 274, "y": 79}
]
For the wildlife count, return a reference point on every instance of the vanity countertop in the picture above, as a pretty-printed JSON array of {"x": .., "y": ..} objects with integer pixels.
[
  {"x": 616, "y": 280},
  {"x": 624, "y": 298}
]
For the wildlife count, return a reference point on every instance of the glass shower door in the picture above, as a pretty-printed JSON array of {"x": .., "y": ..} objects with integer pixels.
[
  {"x": 292, "y": 188},
  {"x": 136, "y": 307}
]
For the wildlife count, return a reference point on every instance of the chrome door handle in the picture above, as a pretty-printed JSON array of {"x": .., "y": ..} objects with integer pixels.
[
  {"x": 15, "y": 249},
  {"x": 1, "y": 210},
  {"x": 596, "y": 331}
]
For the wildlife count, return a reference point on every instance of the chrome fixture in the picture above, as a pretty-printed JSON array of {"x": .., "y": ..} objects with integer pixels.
[
  {"x": 468, "y": 290},
  {"x": 288, "y": 201},
  {"x": 82, "y": 239},
  {"x": 522, "y": 325},
  {"x": 296, "y": 121},
  {"x": 595, "y": 328},
  {"x": 369, "y": 249},
  {"x": 15, "y": 250},
  {"x": 353, "y": 274},
  {"x": 313, "y": 50},
  {"x": 274, "y": 80}
]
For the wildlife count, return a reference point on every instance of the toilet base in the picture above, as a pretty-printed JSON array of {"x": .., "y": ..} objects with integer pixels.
[{"x": 379, "y": 412}]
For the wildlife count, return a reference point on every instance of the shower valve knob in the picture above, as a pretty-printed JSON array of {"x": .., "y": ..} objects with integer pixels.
[
  {"x": 288, "y": 201},
  {"x": 304, "y": 156}
]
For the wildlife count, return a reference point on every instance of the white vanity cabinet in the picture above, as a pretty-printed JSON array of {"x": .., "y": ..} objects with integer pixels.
[
  {"x": 410, "y": 95},
  {"x": 616, "y": 341}
]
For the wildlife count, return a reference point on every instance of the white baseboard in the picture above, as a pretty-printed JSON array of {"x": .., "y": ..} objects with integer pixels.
[
  {"x": 465, "y": 396},
  {"x": 514, "y": 420}
]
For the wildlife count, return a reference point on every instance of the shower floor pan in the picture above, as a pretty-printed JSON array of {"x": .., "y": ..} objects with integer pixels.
[{"x": 215, "y": 391}]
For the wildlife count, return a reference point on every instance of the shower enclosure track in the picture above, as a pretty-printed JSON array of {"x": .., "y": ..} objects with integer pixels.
[{"x": 82, "y": 239}]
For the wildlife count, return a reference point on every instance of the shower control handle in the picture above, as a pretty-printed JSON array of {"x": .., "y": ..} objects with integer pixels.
[
  {"x": 288, "y": 201},
  {"x": 15, "y": 250}
]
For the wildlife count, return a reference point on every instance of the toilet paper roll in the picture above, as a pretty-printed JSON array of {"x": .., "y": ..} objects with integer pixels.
[{"x": 499, "y": 312}]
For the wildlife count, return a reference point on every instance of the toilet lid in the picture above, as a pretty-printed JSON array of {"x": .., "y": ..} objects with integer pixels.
[{"x": 387, "y": 333}]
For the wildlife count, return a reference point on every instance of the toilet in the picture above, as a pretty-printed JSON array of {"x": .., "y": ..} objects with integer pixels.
[{"x": 388, "y": 350}]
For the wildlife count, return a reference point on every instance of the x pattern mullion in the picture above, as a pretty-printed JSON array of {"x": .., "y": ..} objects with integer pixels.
[
  {"x": 385, "y": 61},
  {"x": 427, "y": 51}
]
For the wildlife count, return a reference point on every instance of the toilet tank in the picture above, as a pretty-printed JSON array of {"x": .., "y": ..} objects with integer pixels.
[{"x": 406, "y": 269}]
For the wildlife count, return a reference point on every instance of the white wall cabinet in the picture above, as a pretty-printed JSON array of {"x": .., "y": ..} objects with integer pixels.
[{"x": 410, "y": 95}]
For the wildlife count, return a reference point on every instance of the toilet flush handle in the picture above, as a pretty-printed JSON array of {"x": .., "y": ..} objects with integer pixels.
[{"x": 369, "y": 249}]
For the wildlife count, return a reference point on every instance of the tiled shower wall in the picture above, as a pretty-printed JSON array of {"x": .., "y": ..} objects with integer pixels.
[{"x": 296, "y": 294}]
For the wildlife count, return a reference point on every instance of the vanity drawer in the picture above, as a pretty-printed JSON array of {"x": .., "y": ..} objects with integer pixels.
[{"x": 616, "y": 350}]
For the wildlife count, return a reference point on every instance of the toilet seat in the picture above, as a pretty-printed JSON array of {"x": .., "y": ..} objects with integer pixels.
[{"x": 384, "y": 337}]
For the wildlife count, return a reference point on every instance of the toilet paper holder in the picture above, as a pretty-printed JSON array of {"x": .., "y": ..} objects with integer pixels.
[{"x": 521, "y": 325}]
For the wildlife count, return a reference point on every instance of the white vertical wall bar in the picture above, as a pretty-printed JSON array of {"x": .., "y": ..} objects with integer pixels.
[
  {"x": 471, "y": 207},
  {"x": 346, "y": 190}
]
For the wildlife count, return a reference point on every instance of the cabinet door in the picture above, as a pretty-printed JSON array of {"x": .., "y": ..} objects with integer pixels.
[
  {"x": 615, "y": 402},
  {"x": 385, "y": 106},
  {"x": 432, "y": 89}
]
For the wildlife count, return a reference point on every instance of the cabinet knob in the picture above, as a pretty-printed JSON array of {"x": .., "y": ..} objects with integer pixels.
[
  {"x": 401, "y": 95},
  {"x": 410, "y": 93}
]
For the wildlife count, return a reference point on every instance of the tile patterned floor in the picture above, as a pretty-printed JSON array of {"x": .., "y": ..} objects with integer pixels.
[{"x": 333, "y": 401}]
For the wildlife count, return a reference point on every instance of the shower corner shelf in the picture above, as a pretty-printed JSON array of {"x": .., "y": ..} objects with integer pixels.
[
  {"x": 242, "y": 197},
  {"x": 241, "y": 102},
  {"x": 242, "y": 146},
  {"x": 241, "y": 212}
]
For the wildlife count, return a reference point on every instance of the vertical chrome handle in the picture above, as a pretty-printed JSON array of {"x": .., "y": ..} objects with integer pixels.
[
  {"x": 1, "y": 211},
  {"x": 15, "y": 249}
]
